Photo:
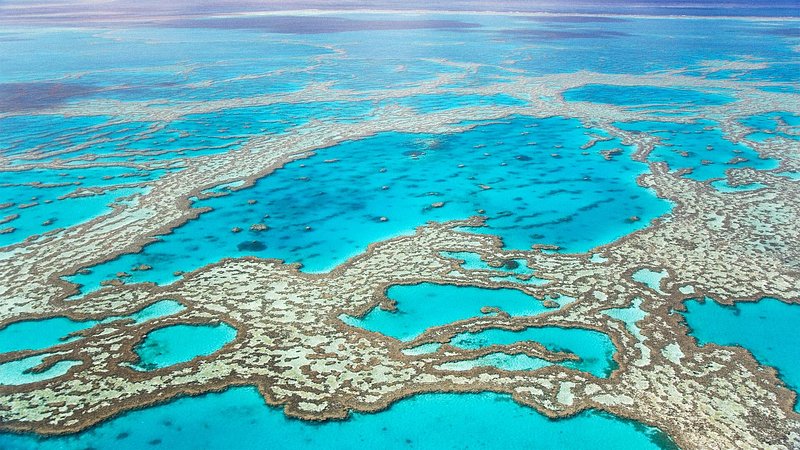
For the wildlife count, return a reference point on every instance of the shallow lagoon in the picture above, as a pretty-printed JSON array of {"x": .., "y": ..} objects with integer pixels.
[
  {"x": 595, "y": 349},
  {"x": 40, "y": 334},
  {"x": 61, "y": 213},
  {"x": 39, "y": 197},
  {"x": 430, "y": 421},
  {"x": 767, "y": 328},
  {"x": 176, "y": 344},
  {"x": 531, "y": 188},
  {"x": 18, "y": 371},
  {"x": 765, "y": 126},
  {"x": 426, "y": 305},
  {"x": 699, "y": 146}
]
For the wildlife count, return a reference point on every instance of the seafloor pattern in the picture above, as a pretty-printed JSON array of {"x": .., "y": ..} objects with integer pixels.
[{"x": 690, "y": 164}]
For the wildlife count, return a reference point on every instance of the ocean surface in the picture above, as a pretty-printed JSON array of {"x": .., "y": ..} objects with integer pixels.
[{"x": 535, "y": 180}]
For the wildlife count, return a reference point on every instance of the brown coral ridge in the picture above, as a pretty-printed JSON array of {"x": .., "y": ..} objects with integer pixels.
[{"x": 292, "y": 345}]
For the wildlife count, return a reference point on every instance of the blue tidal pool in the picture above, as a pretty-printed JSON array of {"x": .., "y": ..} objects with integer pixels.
[
  {"x": 595, "y": 349},
  {"x": 767, "y": 328},
  {"x": 40, "y": 334},
  {"x": 431, "y": 421},
  {"x": 426, "y": 305},
  {"x": 176, "y": 344},
  {"x": 20, "y": 371}
]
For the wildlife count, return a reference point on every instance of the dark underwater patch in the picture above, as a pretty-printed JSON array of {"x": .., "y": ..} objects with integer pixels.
[
  {"x": 37, "y": 95},
  {"x": 251, "y": 246}
]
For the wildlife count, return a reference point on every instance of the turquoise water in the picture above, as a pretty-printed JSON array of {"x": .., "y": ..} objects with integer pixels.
[
  {"x": 40, "y": 334},
  {"x": 544, "y": 189},
  {"x": 699, "y": 146},
  {"x": 188, "y": 136},
  {"x": 767, "y": 328},
  {"x": 766, "y": 126},
  {"x": 500, "y": 360},
  {"x": 18, "y": 372},
  {"x": 630, "y": 316},
  {"x": 37, "y": 196},
  {"x": 431, "y": 421},
  {"x": 573, "y": 200},
  {"x": 595, "y": 349},
  {"x": 216, "y": 132},
  {"x": 425, "y": 305},
  {"x": 59, "y": 214},
  {"x": 156, "y": 310},
  {"x": 176, "y": 344},
  {"x": 22, "y": 134},
  {"x": 795, "y": 176},
  {"x": 514, "y": 270},
  {"x": 761, "y": 137},
  {"x": 653, "y": 99},
  {"x": 473, "y": 261},
  {"x": 650, "y": 278}
]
